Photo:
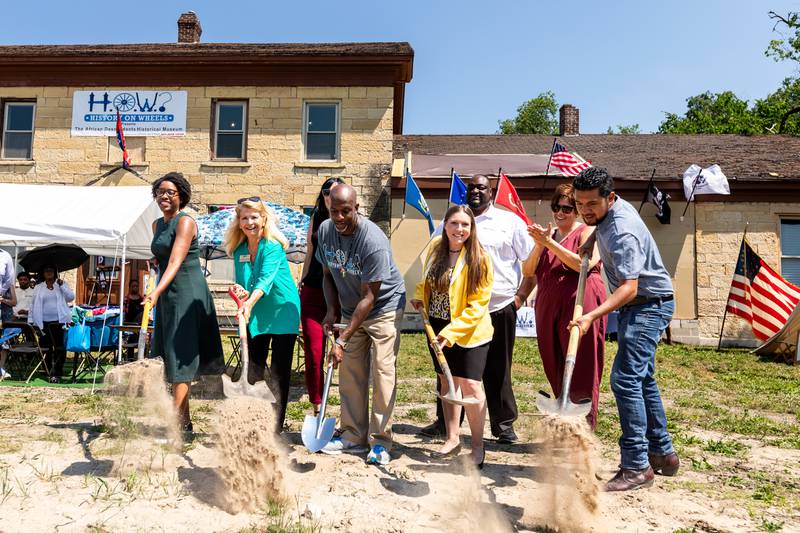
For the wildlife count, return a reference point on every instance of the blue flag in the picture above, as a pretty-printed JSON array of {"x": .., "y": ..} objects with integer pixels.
[
  {"x": 458, "y": 191},
  {"x": 415, "y": 199}
]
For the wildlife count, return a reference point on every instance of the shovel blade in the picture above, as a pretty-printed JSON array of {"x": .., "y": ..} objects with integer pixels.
[
  {"x": 241, "y": 388},
  {"x": 313, "y": 440},
  {"x": 457, "y": 399},
  {"x": 552, "y": 406}
]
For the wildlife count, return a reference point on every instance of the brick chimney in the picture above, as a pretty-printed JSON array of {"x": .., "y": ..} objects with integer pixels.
[
  {"x": 189, "y": 30},
  {"x": 569, "y": 120}
]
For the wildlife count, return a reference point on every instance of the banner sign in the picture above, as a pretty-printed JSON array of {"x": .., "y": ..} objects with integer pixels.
[
  {"x": 526, "y": 322},
  {"x": 143, "y": 113}
]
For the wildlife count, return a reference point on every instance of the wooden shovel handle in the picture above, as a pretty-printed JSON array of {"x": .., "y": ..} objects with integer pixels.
[{"x": 575, "y": 332}]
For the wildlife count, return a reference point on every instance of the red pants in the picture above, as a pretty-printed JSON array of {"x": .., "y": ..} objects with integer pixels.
[
  {"x": 554, "y": 306},
  {"x": 312, "y": 312}
]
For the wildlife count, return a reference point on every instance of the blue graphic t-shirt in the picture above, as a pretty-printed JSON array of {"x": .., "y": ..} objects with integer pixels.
[{"x": 363, "y": 257}]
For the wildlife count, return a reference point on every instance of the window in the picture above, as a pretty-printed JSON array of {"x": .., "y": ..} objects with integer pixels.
[
  {"x": 17, "y": 141},
  {"x": 230, "y": 130},
  {"x": 790, "y": 250},
  {"x": 321, "y": 135}
]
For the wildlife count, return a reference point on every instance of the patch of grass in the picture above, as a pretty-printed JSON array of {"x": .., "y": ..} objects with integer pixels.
[
  {"x": 418, "y": 414},
  {"x": 701, "y": 464},
  {"x": 298, "y": 410},
  {"x": 52, "y": 436},
  {"x": 768, "y": 525},
  {"x": 729, "y": 448}
]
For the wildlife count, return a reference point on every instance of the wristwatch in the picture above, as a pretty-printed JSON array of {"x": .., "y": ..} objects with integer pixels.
[{"x": 341, "y": 342}]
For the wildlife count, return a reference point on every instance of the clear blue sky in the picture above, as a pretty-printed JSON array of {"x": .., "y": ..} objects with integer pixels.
[{"x": 620, "y": 62}]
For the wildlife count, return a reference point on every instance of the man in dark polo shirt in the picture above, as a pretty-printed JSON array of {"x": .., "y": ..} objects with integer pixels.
[{"x": 642, "y": 291}]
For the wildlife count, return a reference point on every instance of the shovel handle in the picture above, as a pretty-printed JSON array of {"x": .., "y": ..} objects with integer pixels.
[
  {"x": 437, "y": 350},
  {"x": 150, "y": 284},
  {"x": 575, "y": 333}
]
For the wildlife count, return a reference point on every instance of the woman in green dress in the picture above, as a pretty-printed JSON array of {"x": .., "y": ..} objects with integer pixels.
[
  {"x": 185, "y": 330},
  {"x": 273, "y": 309}
]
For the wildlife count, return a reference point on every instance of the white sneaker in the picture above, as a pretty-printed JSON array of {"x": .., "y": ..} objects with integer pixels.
[
  {"x": 4, "y": 374},
  {"x": 337, "y": 445},
  {"x": 378, "y": 456}
]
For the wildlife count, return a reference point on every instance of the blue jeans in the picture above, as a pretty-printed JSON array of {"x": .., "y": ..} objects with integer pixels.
[{"x": 641, "y": 413}]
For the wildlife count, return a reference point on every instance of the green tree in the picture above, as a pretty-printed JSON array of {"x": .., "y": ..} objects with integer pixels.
[
  {"x": 787, "y": 48},
  {"x": 779, "y": 112},
  {"x": 537, "y": 115},
  {"x": 713, "y": 113},
  {"x": 622, "y": 129}
]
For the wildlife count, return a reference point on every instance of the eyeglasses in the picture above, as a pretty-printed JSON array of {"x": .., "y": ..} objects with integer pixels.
[
  {"x": 169, "y": 193},
  {"x": 566, "y": 209},
  {"x": 248, "y": 199}
]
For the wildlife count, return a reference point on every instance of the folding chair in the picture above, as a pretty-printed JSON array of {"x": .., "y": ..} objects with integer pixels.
[
  {"x": 25, "y": 354},
  {"x": 103, "y": 345}
]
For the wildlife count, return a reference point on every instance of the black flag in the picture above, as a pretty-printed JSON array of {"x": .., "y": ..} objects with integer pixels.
[{"x": 659, "y": 199}]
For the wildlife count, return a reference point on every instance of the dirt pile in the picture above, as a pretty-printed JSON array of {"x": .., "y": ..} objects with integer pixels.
[
  {"x": 253, "y": 456},
  {"x": 570, "y": 494}
]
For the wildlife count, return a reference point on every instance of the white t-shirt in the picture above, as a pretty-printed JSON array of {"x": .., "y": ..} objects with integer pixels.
[
  {"x": 505, "y": 238},
  {"x": 24, "y": 299},
  {"x": 50, "y": 305}
]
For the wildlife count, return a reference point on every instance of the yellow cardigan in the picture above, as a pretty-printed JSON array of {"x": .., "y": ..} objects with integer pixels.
[{"x": 470, "y": 322}]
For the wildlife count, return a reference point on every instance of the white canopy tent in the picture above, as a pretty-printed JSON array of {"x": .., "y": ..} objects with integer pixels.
[{"x": 107, "y": 221}]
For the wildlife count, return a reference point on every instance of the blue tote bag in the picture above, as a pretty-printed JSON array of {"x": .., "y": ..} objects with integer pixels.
[{"x": 78, "y": 338}]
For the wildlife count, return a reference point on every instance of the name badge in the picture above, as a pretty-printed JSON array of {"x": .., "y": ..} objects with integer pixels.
[{"x": 244, "y": 258}]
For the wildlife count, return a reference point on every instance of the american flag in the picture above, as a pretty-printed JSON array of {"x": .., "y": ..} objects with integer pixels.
[
  {"x": 760, "y": 295},
  {"x": 567, "y": 163},
  {"x": 126, "y": 161}
]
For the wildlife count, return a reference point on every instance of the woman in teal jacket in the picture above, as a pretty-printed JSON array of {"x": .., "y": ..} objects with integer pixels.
[{"x": 273, "y": 309}]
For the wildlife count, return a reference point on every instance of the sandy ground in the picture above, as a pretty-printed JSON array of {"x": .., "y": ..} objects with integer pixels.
[{"x": 68, "y": 475}]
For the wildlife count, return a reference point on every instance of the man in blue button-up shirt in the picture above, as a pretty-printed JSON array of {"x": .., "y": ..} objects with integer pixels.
[{"x": 642, "y": 291}]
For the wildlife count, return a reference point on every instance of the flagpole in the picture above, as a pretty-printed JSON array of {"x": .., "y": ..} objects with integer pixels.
[
  {"x": 547, "y": 171},
  {"x": 452, "y": 182},
  {"x": 647, "y": 190},
  {"x": 691, "y": 196},
  {"x": 405, "y": 177},
  {"x": 499, "y": 173},
  {"x": 725, "y": 313}
]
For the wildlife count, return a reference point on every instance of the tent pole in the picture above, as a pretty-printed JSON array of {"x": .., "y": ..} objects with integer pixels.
[{"x": 121, "y": 297}]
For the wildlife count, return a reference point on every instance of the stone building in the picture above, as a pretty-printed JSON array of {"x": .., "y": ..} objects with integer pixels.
[
  {"x": 273, "y": 120},
  {"x": 700, "y": 251}
]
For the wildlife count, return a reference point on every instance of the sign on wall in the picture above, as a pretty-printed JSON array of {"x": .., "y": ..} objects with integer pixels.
[{"x": 143, "y": 113}]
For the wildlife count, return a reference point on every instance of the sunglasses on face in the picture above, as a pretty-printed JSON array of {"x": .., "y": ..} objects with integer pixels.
[
  {"x": 566, "y": 209},
  {"x": 169, "y": 193},
  {"x": 248, "y": 199}
]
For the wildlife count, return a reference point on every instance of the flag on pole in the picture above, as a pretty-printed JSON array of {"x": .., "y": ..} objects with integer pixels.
[
  {"x": 458, "y": 190},
  {"x": 569, "y": 164},
  {"x": 759, "y": 295},
  {"x": 126, "y": 162},
  {"x": 709, "y": 180},
  {"x": 659, "y": 199},
  {"x": 507, "y": 197},
  {"x": 415, "y": 199}
]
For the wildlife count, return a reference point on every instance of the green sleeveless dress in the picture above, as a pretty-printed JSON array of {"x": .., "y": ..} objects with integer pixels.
[{"x": 185, "y": 330}]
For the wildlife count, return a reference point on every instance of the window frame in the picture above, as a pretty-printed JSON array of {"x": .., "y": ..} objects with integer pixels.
[
  {"x": 337, "y": 104},
  {"x": 215, "y": 103},
  {"x": 781, "y": 219},
  {"x": 4, "y": 104}
]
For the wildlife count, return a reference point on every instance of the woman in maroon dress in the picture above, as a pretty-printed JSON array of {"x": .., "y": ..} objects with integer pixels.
[{"x": 556, "y": 265}]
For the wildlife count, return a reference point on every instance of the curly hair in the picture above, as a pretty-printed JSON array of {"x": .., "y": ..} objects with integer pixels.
[
  {"x": 594, "y": 178},
  {"x": 180, "y": 183}
]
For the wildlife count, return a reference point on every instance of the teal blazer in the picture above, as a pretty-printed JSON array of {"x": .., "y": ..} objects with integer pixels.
[{"x": 278, "y": 311}]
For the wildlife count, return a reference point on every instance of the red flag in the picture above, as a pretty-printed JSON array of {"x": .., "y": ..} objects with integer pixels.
[
  {"x": 126, "y": 162},
  {"x": 507, "y": 197},
  {"x": 759, "y": 295}
]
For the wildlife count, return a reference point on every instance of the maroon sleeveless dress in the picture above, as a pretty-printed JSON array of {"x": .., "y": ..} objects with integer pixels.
[{"x": 555, "y": 300}]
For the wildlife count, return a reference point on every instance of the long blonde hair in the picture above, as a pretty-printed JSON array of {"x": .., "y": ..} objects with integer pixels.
[{"x": 235, "y": 236}]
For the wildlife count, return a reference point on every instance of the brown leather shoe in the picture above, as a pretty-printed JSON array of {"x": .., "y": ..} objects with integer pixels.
[
  {"x": 631, "y": 480},
  {"x": 666, "y": 465}
]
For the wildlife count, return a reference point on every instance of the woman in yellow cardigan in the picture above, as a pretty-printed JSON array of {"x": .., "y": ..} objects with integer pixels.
[{"x": 455, "y": 289}]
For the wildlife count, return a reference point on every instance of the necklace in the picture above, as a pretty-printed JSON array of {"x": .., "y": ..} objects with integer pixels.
[
  {"x": 455, "y": 251},
  {"x": 343, "y": 256}
]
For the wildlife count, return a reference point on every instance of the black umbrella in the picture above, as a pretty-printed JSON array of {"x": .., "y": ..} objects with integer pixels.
[{"x": 62, "y": 257}]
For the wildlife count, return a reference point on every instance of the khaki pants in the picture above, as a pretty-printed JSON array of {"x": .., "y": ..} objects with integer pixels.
[{"x": 382, "y": 334}]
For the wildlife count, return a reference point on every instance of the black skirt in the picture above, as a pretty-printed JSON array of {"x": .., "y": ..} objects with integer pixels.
[{"x": 465, "y": 363}]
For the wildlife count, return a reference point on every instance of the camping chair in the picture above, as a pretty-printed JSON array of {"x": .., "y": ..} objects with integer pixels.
[{"x": 25, "y": 355}]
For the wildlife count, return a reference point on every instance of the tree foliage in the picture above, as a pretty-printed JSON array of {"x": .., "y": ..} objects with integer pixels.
[
  {"x": 537, "y": 115},
  {"x": 622, "y": 129},
  {"x": 788, "y": 47}
]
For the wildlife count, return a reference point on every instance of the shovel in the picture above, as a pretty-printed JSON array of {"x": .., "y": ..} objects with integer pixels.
[
  {"x": 453, "y": 395},
  {"x": 318, "y": 430},
  {"x": 242, "y": 388},
  {"x": 562, "y": 406},
  {"x": 150, "y": 284}
]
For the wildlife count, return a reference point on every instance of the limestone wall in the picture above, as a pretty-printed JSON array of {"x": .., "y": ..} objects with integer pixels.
[{"x": 274, "y": 168}]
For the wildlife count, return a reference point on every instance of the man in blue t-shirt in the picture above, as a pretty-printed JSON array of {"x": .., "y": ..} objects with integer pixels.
[
  {"x": 642, "y": 291},
  {"x": 363, "y": 288}
]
